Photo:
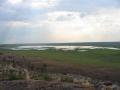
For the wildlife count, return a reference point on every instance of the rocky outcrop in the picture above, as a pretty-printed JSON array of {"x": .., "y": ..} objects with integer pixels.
[{"x": 40, "y": 85}]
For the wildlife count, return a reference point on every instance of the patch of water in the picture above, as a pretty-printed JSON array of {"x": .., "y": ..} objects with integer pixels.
[{"x": 65, "y": 48}]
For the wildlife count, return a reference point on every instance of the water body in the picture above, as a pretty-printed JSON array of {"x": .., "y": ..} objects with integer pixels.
[
  {"x": 81, "y": 48},
  {"x": 63, "y": 46}
]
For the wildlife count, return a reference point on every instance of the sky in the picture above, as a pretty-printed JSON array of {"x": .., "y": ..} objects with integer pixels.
[{"x": 52, "y": 21}]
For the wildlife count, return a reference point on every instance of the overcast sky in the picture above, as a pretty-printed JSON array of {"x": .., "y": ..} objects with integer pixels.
[{"x": 44, "y": 21}]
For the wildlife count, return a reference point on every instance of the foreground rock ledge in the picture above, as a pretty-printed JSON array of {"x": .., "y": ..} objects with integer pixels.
[{"x": 40, "y": 85}]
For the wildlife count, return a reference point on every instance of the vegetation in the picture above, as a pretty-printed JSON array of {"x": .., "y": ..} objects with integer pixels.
[
  {"x": 54, "y": 65},
  {"x": 66, "y": 79},
  {"x": 61, "y": 66},
  {"x": 42, "y": 76},
  {"x": 14, "y": 76},
  {"x": 38, "y": 69},
  {"x": 98, "y": 57}
]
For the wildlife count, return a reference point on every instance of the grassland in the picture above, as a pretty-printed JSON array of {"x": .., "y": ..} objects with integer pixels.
[
  {"x": 95, "y": 57},
  {"x": 96, "y": 63}
]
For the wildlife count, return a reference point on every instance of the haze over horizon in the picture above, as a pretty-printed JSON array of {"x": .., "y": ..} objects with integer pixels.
[{"x": 46, "y": 21}]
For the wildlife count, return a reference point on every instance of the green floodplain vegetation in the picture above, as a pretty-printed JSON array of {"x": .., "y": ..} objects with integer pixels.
[{"x": 97, "y": 57}]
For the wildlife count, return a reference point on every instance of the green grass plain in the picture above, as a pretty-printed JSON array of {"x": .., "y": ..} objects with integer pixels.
[{"x": 97, "y": 57}]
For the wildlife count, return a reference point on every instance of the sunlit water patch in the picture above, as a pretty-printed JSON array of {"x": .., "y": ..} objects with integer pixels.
[{"x": 65, "y": 48}]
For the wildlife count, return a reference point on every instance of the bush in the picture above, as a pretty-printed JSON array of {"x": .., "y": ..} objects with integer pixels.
[
  {"x": 66, "y": 79},
  {"x": 44, "y": 68},
  {"x": 42, "y": 77},
  {"x": 13, "y": 75},
  {"x": 1, "y": 53},
  {"x": 46, "y": 77}
]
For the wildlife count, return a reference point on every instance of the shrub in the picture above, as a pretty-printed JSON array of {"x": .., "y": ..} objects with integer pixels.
[
  {"x": 1, "y": 53},
  {"x": 44, "y": 68},
  {"x": 42, "y": 77},
  {"x": 13, "y": 75},
  {"x": 66, "y": 79}
]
